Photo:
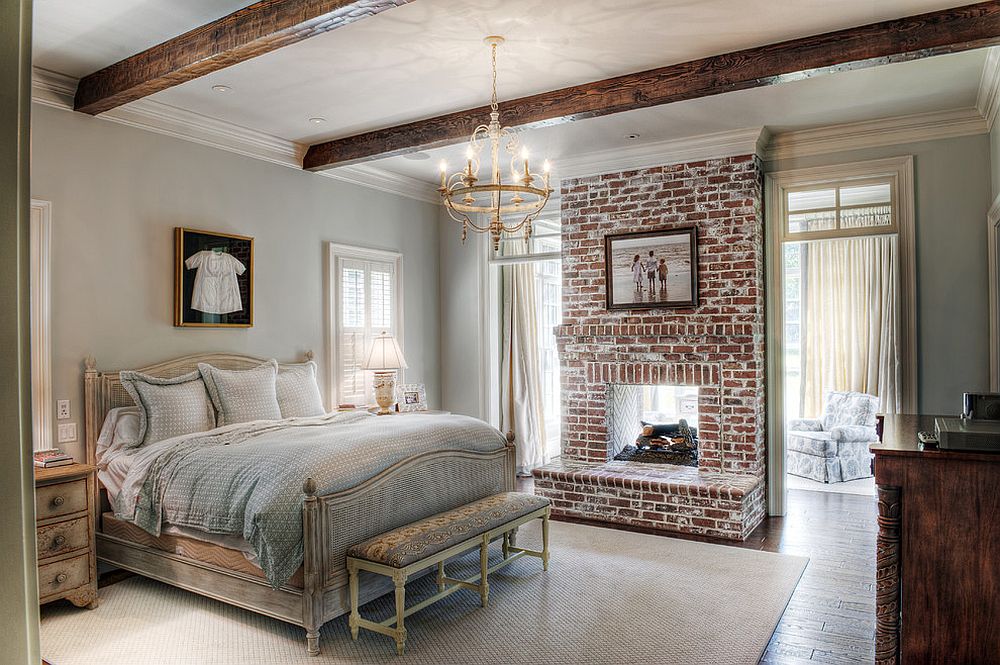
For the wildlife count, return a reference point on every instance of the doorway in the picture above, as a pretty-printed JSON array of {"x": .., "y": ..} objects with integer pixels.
[{"x": 841, "y": 331}]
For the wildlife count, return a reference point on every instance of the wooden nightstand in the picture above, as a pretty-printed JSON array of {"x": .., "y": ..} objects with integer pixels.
[{"x": 65, "y": 518}]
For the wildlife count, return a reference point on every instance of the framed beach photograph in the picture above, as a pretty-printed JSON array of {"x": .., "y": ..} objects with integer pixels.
[
  {"x": 652, "y": 269},
  {"x": 213, "y": 279},
  {"x": 411, "y": 397}
]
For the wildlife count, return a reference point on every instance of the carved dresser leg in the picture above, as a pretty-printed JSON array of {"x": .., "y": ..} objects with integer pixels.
[{"x": 887, "y": 577}]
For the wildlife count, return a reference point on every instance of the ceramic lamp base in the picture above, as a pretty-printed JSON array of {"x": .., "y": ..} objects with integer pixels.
[{"x": 385, "y": 392}]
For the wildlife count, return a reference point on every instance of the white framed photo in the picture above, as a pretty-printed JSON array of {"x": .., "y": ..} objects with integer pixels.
[{"x": 411, "y": 397}]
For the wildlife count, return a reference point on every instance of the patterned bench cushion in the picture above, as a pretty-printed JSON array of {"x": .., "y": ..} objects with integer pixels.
[{"x": 411, "y": 543}]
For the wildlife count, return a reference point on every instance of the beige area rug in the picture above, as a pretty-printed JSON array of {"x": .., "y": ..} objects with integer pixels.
[
  {"x": 609, "y": 597},
  {"x": 865, "y": 486}
]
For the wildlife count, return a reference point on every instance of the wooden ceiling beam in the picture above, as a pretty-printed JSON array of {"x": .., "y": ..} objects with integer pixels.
[
  {"x": 246, "y": 33},
  {"x": 898, "y": 40}
]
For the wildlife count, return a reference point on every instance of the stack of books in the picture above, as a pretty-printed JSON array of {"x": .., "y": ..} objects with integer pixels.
[{"x": 51, "y": 457}]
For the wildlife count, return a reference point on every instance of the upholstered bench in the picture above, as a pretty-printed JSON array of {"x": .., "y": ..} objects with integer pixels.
[{"x": 412, "y": 548}]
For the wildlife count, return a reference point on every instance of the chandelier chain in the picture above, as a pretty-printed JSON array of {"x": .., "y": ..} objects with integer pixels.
[{"x": 493, "y": 102}]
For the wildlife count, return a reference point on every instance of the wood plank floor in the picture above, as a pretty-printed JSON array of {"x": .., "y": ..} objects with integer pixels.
[{"x": 831, "y": 616}]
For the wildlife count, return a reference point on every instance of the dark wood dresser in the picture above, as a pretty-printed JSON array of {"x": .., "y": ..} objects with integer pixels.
[{"x": 938, "y": 565}]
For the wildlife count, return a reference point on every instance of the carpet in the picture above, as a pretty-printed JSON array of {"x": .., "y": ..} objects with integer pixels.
[
  {"x": 609, "y": 597},
  {"x": 864, "y": 486}
]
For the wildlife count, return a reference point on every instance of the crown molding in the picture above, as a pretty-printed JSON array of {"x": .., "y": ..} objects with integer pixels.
[
  {"x": 58, "y": 90},
  {"x": 875, "y": 133},
  {"x": 671, "y": 151},
  {"x": 988, "y": 99}
]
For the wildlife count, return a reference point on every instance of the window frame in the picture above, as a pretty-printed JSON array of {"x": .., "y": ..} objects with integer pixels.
[
  {"x": 841, "y": 232},
  {"x": 337, "y": 253}
]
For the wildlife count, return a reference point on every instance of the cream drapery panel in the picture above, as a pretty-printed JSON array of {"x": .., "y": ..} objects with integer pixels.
[
  {"x": 522, "y": 409},
  {"x": 850, "y": 316}
]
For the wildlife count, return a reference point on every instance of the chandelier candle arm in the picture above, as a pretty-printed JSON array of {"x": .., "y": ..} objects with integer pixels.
[{"x": 505, "y": 208}]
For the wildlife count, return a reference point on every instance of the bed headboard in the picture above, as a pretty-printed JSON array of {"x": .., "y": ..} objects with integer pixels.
[{"x": 103, "y": 390}]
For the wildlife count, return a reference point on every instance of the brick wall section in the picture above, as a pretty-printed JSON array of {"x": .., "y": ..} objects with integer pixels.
[
  {"x": 718, "y": 345},
  {"x": 655, "y": 496}
]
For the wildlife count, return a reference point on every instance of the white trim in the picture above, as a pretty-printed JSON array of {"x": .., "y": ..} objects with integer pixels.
[
  {"x": 339, "y": 251},
  {"x": 993, "y": 238},
  {"x": 988, "y": 99},
  {"x": 57, "y": 91},
  {"x": 901, "y": 170},
  {"x": 672, "y": 151},
  {"x": 40, "y": 244},
  {"x": 875, "y": 133}
]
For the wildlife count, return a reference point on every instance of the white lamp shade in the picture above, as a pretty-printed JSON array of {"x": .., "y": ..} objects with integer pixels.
[{"x": 385, "y": 354}]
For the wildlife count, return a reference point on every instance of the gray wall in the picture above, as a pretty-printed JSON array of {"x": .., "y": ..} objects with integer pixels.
[
  {"x": 118, "y": 192},
  {"x": 18, "y": 584},
  {"x": 462, "y": 296},
  {"x": 953, "y": 193}
]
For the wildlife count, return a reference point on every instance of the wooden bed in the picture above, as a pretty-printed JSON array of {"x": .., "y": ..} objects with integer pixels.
[{"x": 331, "y": 523}]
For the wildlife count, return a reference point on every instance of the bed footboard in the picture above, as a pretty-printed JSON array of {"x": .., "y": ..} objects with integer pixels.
[{"x": 412, "y": 490}]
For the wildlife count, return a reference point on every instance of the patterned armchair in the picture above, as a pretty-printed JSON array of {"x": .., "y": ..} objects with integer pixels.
[{"x": 834, "y": 448}]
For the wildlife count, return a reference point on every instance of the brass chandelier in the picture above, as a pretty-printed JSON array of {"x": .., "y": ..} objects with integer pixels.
[{"x": 501, "y": 207}]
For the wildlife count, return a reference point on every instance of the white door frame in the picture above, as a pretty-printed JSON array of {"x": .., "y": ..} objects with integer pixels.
[
  {"x": 993, "y": 236},
  {"x": 39, "y": 244},
  {"x": 901, "y": 170}
]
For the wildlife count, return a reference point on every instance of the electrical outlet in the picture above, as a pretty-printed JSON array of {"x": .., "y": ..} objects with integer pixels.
[
  {"x": 67, "y": 433},
  {"x": 62, "y": 409}
]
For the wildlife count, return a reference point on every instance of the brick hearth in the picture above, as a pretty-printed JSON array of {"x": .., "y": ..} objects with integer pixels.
[{"x": 717, "y": 346}]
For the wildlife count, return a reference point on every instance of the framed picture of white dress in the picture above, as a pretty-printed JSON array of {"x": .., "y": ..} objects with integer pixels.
[
  {"x": 652, "y": 269},
  {"x": 213, "y": 279}
]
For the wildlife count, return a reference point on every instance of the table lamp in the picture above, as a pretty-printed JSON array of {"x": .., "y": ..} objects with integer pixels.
[{"x": 385, "y": 358}]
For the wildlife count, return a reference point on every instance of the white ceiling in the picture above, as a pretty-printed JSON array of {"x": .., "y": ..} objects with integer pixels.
[
  {"x": 78, "y": 37},
  {"x": 427, "y": 58}
]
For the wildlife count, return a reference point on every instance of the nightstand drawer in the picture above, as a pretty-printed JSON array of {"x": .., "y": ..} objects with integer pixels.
[
  {"x": 60, "y": 499},
  {"x": 63, "y": 537},
  {"x": 63, "y": 575}
]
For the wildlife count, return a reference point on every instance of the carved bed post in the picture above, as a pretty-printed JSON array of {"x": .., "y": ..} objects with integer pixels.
[
  {"x": 887, "y": 578},
  {"x": 511, "y": 539},
  {"x": 312, "y": 568}
]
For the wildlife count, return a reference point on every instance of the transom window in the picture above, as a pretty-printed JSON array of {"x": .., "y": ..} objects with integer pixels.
[{"x": 834, "y": 210}]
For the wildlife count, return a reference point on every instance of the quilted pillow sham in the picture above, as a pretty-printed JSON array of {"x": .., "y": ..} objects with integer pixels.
[
  {"x": 169, "y": 407},
  {"x": 243, "y": 395},
  {"x": 298, "y": 391}
]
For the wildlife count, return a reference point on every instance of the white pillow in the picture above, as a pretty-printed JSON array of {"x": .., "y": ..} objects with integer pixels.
[
  {"x": 169, "y": 407},
  {"x": 120, "y": 430},
  {"x": 298, "y": 391},
  {"x": 243, "y": 395}
]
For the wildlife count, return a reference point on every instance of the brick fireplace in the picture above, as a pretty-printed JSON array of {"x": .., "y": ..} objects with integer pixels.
[{"x": 717, "y": 347}]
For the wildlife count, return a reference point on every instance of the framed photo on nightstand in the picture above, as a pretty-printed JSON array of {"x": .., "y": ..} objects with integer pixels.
[{"x": 411, "y": 397}]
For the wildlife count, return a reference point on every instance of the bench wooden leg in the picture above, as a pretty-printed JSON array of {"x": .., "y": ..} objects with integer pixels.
[
  {"x": 355, "y": 614},
  {"x": 545, "y": 540},
  {"x": 400, "y": 581},
  {"x": 484, "y": 565},
  {"x": 506, "y": 544},
  {"x": 440, "y": 577}
]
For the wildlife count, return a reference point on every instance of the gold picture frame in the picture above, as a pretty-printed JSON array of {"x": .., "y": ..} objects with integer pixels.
[{"x": 213, "y": 274}]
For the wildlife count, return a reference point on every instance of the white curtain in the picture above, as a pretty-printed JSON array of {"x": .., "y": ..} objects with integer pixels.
[
  {"x": 850, "y": 318},
  {"x": 520, "y": 374}
]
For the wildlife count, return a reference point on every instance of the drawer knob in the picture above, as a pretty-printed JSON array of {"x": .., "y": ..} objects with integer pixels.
[
  {"x": 58, "y": 501},
  {"x": 60, "y": 578},
  {"x": 59, "y": 540}
]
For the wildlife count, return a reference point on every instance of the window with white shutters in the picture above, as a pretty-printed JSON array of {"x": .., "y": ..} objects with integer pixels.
[{"x": 366, "y": 302}]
